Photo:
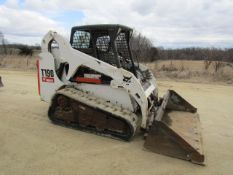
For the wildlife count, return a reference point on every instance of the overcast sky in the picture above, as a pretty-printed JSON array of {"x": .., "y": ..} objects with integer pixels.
[{"x": 168, "y": 23}]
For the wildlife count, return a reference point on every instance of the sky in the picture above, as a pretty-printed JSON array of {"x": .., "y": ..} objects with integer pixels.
[{"x": 169, "y": 24}]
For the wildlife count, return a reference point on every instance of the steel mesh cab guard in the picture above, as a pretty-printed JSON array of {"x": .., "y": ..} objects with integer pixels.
[{"x": 109, "y": 43}]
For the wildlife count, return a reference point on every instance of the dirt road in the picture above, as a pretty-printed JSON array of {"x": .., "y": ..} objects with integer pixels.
[{"x": 30, "y": 144}]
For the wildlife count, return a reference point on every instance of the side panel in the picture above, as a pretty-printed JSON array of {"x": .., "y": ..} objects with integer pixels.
[
  {"x": 116, "y": 96},
  {"x": 48, "y": 80}
]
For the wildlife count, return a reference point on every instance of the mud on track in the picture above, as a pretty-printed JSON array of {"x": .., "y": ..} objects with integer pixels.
[{"x": 30, "y": 144}]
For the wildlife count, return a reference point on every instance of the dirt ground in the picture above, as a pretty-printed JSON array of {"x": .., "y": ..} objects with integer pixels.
[{"x": 30, "y": 144}]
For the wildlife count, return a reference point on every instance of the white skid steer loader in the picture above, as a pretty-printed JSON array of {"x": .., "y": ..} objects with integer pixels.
[{"x": 93, "y": 84}]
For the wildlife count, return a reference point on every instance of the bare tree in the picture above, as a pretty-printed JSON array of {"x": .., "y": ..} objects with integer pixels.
[
  {"x": 3, "y": 49},
  {"x": 207, "y": 64},
  {"x": 142, "y": 48},
  {"x": 217, "y": 65}
]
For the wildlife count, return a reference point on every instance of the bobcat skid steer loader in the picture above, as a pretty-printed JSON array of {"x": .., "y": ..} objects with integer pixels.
[{"x": 93, "y": 84}]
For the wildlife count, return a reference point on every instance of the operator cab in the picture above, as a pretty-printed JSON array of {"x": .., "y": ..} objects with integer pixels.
[{"x": 108, "y": 43}]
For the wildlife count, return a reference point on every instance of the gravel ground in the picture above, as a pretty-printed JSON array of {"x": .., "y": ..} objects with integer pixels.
[{"x": 30, "y": 144}]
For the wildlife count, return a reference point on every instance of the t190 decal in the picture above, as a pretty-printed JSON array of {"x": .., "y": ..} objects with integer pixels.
[{"x": 47, "y": 75}]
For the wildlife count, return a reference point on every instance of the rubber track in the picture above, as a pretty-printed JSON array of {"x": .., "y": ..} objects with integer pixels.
[{"x": 99, "y": 104}]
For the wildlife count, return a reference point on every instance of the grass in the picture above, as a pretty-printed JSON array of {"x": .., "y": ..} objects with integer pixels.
[
  {"x": 195, "y": 71},
  {"x": 182, "y": 70}
]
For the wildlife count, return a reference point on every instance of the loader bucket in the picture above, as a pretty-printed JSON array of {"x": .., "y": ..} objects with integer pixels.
[
  {"x": 1, "y": 84},
  {"x": 176, "y": 130}
]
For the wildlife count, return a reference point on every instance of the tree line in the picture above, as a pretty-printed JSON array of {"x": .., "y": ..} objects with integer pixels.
[
  {"x": 20, "y": 49},
  {"x": 212, "y": 54},
  {"x": 144, "y": 51}
]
